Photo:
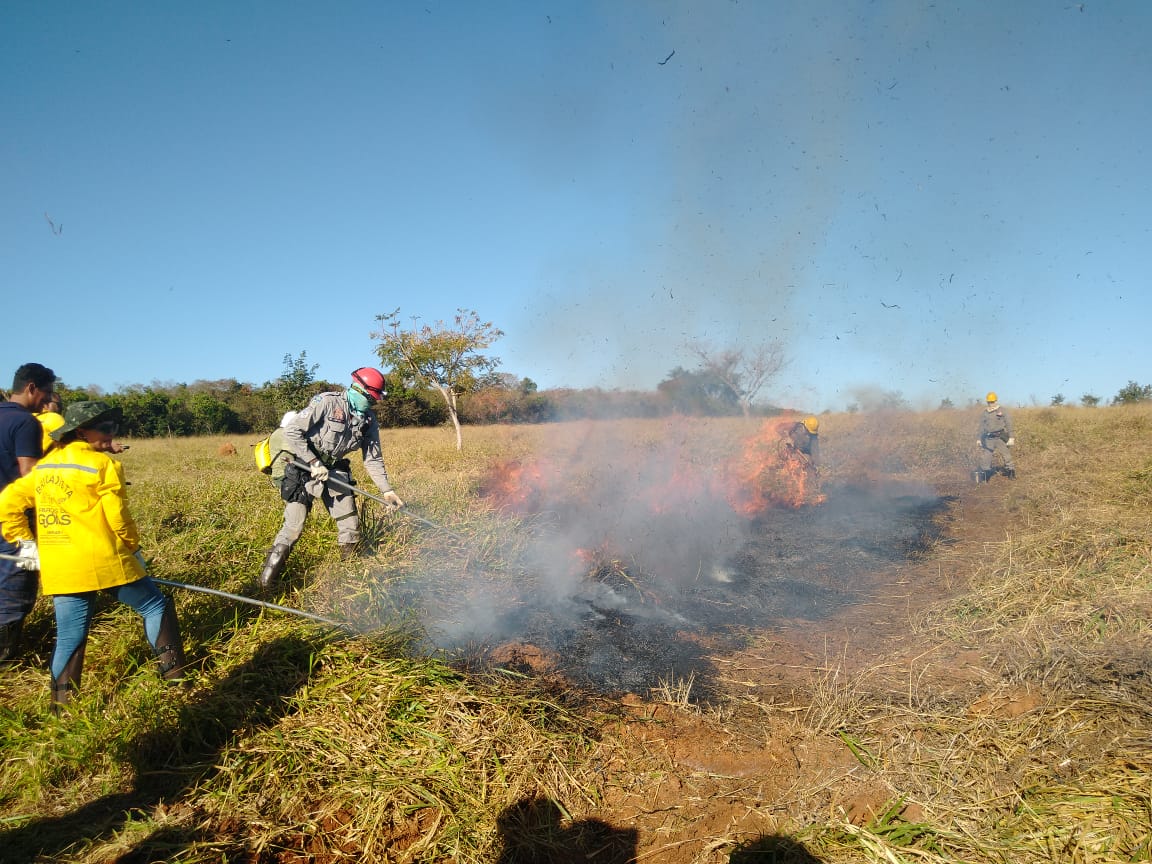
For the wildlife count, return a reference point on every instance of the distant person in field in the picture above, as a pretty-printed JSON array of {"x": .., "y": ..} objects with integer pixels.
[
  {"x": 995, "y": 439},
  {"x": 87, "y": 542},
  {"x": 21, "y": 446},
  {"x": 804, "y": 436},
  {"x": 320, "y": 437}
]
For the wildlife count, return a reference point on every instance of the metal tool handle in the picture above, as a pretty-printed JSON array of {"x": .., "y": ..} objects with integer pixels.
[
  {"x": 237, "y": 597},
  {"x": 253, "y": 602},
  {"x": 355, "y": 490}
]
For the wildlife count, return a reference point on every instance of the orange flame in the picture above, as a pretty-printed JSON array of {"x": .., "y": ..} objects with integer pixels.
[
  {"x": 766, "y": 473},
  {"x": 769, "y": 472},
  {"x": 519, "y": 486}
]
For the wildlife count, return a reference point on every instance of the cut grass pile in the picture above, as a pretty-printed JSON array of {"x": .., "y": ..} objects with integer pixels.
[{"x": 292, "y": 742}]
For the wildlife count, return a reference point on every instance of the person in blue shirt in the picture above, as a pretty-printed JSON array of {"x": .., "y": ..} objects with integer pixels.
[{"x": 21, "y": 446}]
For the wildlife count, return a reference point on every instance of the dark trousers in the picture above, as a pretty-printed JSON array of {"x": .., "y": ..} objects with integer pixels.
[{"x": 17, "y": 587}]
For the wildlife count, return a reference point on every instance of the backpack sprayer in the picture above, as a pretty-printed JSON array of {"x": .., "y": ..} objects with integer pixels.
[{"x": 265, "y": 458}]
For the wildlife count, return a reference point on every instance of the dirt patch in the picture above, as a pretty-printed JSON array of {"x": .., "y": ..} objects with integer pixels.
[
  {"x": 688, "y": 778},
  {"x": 719, "y": 678}
]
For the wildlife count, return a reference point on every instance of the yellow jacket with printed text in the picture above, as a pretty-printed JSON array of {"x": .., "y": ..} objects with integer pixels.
[{"x": 85, "y": 534}]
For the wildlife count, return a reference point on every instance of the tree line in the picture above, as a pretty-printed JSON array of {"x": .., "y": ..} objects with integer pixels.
[
  {"x": 441, "y": 374},
  {"x": 229, "y": 406}
]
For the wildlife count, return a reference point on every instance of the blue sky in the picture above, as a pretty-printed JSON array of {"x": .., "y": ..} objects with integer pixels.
[{"x": 935, "y": 198}]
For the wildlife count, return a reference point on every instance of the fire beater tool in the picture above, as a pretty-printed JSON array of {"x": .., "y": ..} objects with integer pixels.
[{"x": 355, "y": 490}]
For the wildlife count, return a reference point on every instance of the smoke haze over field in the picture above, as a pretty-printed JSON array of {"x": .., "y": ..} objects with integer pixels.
[
  {"x": 634, "y": 553},
  {"x": 934, "y": 199}
]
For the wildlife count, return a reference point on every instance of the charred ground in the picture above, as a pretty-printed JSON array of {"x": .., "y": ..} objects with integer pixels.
[{"x": 620, "y": 626}]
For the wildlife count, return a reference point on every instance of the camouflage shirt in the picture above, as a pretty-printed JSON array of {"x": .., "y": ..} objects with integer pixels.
[
  {"x": 994, "y": 423},
  {"x": 328, "y": 429}
]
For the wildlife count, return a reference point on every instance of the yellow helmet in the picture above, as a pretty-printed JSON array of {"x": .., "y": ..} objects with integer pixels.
[
  {"x": 990, "y": 398},
  {"x": 811, "y": 424}
]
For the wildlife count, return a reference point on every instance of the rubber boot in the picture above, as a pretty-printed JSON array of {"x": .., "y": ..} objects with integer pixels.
[
  {"x": 274, "y": 565},
  {"x": 169, "y": 646},
  {"x": 10, "y": 641},
  {"x": 68, "y": 681}
]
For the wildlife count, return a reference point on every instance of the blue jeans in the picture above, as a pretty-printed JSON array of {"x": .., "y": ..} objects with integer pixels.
[
  {"x": 74, "y": 617},
  {"x": 17, "y": 587}
]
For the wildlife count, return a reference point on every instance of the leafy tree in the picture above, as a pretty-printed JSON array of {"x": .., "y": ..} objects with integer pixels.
[
  {"x": 294, "y": 386},
  {"x": 1132, "y": 393},
  {"x": 892, "y": 400},
  {"x": 743, "y": 371},
  {"x": 148, "y": 413},
  {"x": 1089, "y": 401},
  {"x": 535, "y": 408},
  {"x": 878, "y": 399},
  {"x": 210, "y": 416},
  {"x": 1058, "y": 399},
  {"x": 504, "y": 398},
  {"x": 402, "y": 405},
  {"x": 595, "y": 403},
  {"x": 700, "y": 392},
  {"x": 445, "y": 358},
  {"x": 68, "y": 395}
]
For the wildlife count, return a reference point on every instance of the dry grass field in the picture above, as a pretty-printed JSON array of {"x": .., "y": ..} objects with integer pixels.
[{"x": 916, "y": 668}]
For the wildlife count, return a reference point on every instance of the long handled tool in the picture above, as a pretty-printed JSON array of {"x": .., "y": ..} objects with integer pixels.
[
  {"x": 355, "y": 490},
  {"x": 252, "y": 602},
  {"x": 237, "y": 597},
  {"x": 17, "y": 558}
]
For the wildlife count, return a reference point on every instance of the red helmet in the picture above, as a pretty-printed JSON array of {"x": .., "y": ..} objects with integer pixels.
[{"x": 370, "y": 381}]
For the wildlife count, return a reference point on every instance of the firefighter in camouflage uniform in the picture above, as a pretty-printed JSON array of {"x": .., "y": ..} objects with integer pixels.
[
  {"x": 995, "y": 440},
  {"x": 320, "y": 437}
]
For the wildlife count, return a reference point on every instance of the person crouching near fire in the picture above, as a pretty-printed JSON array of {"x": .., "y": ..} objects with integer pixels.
[
  {"x": 995, "y": 440},
  {"x": 804, "y": 437},
  {"x": 87, "y": 542},
  {"x": 321, "y": 436}
]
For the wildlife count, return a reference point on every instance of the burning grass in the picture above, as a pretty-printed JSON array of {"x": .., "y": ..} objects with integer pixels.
[{"x": 1006, "y": 719}]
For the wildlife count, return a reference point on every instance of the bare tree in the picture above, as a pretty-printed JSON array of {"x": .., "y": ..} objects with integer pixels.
[
  {"x": 444, "y": 357},
  {"x": 744, "y": 371}
]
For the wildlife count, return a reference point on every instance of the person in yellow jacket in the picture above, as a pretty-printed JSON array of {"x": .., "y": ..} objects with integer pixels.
[
  {"x": 51, "y": 419},
  {"x": 87, "y": 542}
]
